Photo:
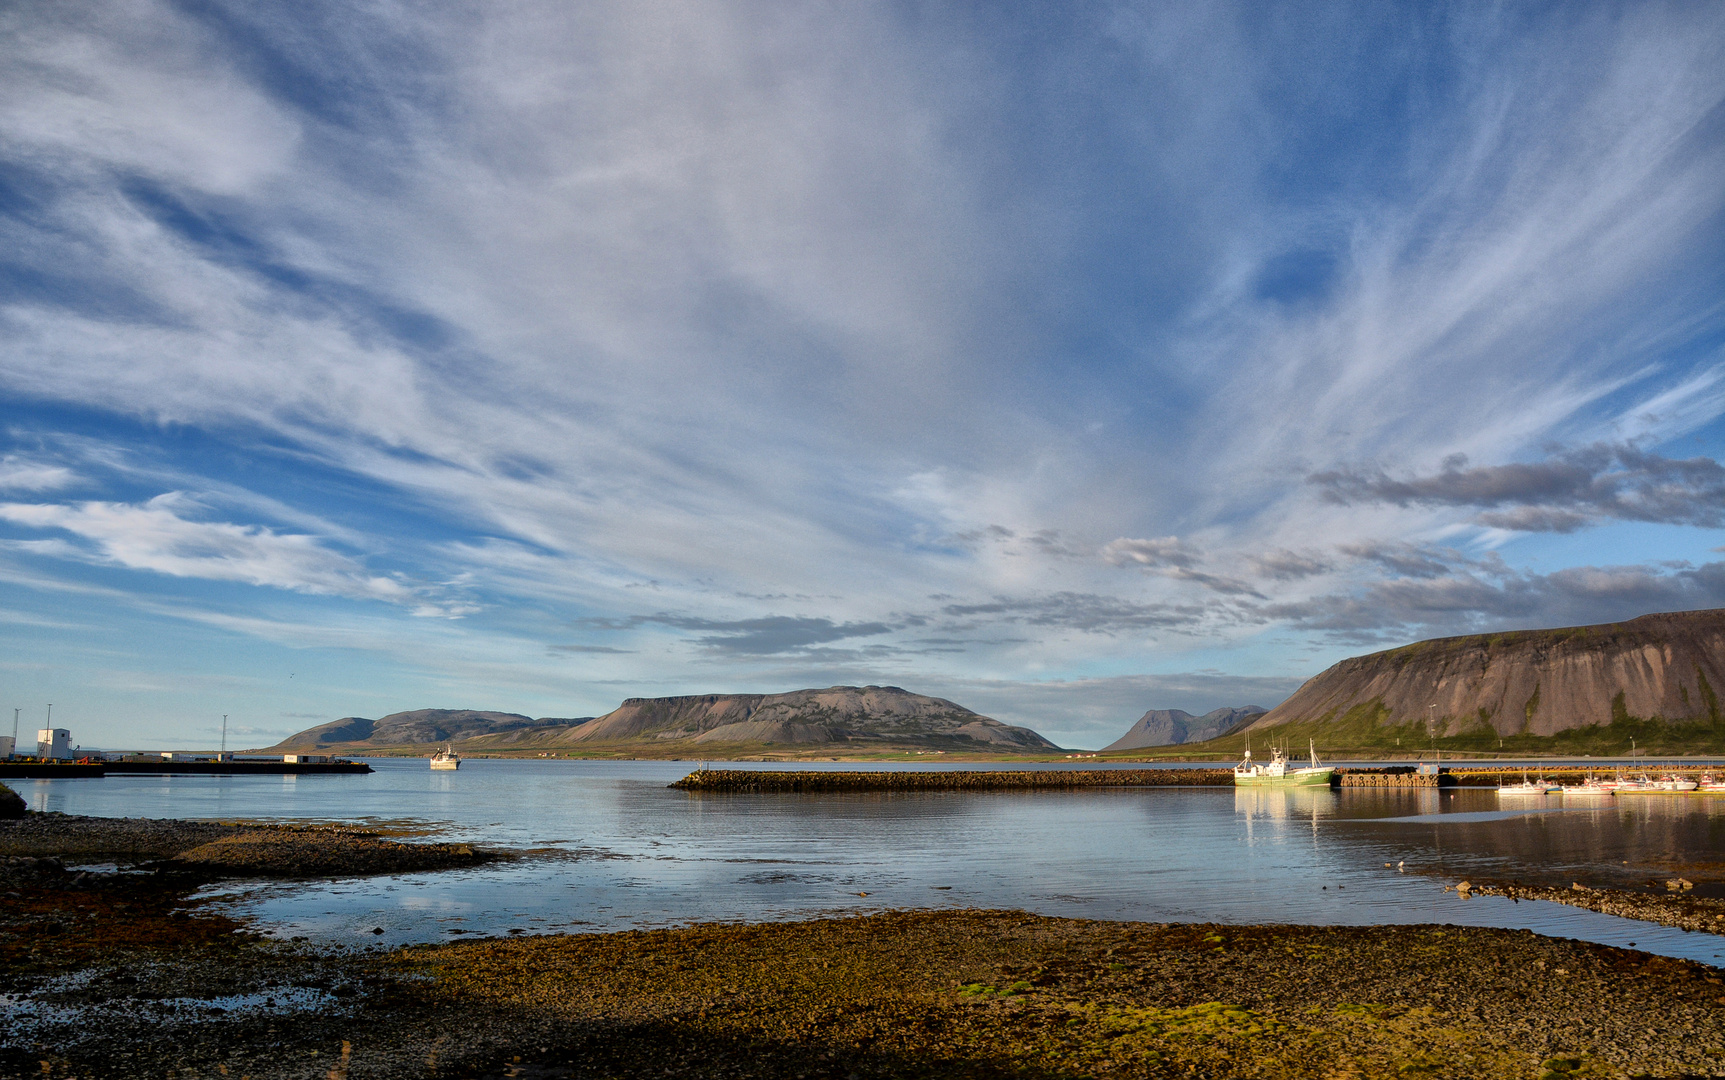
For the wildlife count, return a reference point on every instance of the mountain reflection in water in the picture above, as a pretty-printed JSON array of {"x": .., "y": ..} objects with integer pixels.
[{"x": 608, "y": 846}]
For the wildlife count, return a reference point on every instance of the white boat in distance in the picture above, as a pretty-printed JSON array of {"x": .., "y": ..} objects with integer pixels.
[
  {"x": 446, "y": 758},
  {"x": 1590, "y": 786}
]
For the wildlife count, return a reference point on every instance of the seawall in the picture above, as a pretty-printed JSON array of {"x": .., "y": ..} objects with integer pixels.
[{"x": 748, "y": 780}]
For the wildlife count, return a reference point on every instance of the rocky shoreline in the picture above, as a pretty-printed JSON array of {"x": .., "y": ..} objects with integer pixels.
[
  {"x": 108, "y": 973},
  {"x": 129, "y": 982},
  {"x": 225, "y": 849},
  {"x": 1676, "y": 907}
]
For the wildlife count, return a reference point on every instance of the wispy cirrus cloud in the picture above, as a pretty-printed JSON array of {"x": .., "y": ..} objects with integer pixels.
[
  {"x": 19, "y": 473},
  {"x": 160, "y": 536}
]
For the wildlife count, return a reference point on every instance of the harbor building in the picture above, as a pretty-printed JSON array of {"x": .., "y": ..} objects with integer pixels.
[{"x": 55, "y": 743}]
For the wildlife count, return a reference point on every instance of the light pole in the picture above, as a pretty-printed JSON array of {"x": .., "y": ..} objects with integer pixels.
[{"x": 224, "y": 734}]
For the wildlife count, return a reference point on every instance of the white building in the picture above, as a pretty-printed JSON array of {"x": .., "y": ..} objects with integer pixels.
[
  {"x": 54, "y": 743},
  {"x": 7, "y": 747}
]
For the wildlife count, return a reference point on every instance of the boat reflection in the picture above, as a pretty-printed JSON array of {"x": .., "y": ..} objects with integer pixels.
[{"x": 1282, "y": 804}]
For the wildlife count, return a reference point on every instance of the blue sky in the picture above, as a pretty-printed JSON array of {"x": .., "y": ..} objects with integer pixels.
[{"x": 1067, "y": 361}]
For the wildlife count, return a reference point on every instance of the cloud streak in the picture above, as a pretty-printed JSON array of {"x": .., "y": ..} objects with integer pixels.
[
  {"x": 157, "y": 536},
  {"x": 1561, "y": 494}
]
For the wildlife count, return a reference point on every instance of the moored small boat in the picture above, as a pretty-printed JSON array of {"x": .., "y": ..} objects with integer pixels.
[
  {"x": 1589, "y": 786},
  {"x": 1526, "y": 787},
  {"x": 1673, "y": 782}
]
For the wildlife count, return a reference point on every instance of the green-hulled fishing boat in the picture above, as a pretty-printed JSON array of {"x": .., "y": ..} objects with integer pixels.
[{"x": 1278, "y": 773}]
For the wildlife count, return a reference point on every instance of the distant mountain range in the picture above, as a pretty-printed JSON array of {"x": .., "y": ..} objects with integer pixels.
[
  {"x": 420, "y": 726},
  {"x": 1668, "y": 667},
  {"x": 842, "y": 718},
  {"x": 1171, "y": 727}
]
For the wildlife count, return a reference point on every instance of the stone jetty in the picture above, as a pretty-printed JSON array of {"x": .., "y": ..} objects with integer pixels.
[{"x": 801, "y": 782}]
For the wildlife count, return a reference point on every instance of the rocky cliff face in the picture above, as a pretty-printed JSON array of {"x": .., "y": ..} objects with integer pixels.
[
  {"x": 1171, "y": 727},
  {"x": 1536, "y": 682},
  {"x": 839, "y": 714}
]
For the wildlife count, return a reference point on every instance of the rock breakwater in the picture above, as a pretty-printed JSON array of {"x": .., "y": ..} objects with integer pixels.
[
  {"x": 1393, "y": 778},
  {"x": 748, "y": 780}
]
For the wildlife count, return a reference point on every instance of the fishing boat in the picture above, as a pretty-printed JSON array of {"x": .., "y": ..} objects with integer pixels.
[
  {"x": 446, "y": 758},
  {"x": 1709, "y": 782},
  {"x": 1278, "y": 773},
  {"x": 1673, "y": 782}
]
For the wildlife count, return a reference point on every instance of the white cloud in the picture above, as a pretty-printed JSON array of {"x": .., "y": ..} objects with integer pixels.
[
  {"x": 156, "y": 536},
  {"x": 22, "y": 474}
]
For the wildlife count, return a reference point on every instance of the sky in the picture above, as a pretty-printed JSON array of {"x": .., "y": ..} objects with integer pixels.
[{"x": 1066, "y": 361}]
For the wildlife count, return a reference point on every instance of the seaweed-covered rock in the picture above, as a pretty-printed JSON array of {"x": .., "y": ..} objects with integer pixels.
[{"x": 11, "y": 804}]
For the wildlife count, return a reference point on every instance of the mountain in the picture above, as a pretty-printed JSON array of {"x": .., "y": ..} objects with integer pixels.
[
  {"x": 1171, "y": 727},
  {"x": 415, "y": 727},
  {"x": 848, "y": 715},
  {"x": 1528, "y": 682},
  {"x": 840, "y": 718}
]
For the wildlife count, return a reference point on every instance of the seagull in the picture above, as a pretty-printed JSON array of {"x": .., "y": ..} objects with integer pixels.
[{"x": 1399, "y": 866}]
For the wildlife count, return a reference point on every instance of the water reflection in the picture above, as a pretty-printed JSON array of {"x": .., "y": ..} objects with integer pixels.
[
  {"x": 615, "y": 848},
  {"x": 1281, "y": 804}
]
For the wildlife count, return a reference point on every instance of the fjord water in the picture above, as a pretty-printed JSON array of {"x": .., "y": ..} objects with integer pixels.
[{"x": 607, "y": 845}]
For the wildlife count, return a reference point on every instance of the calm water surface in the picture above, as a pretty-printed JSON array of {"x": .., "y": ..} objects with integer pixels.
[{"x": 608, "y": 846}]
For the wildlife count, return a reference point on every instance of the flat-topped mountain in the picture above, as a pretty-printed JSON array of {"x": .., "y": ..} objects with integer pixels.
[
  {"x": 838, "y": 719},
  {"x": 851, "y": 715},
  {"x": 416, "y": 727},
  {"x": 1171, "y": 727},
  {"x": 1667, "y": 667}
]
